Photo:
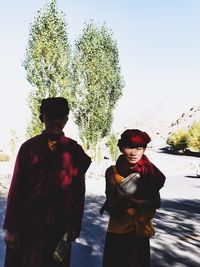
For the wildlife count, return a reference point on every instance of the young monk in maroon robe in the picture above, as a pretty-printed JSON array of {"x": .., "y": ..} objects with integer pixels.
[
  {"x": 46, "y": 195},
  {"x": 131, "y": 203}
]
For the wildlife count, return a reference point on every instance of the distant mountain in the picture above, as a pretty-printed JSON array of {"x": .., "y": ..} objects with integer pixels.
[
  {"x": 159, "y": 122},
  {"x": 186, "y": 119}
]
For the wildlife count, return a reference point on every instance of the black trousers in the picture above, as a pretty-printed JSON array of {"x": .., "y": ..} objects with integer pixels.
[{"x": 126, "y": 250}]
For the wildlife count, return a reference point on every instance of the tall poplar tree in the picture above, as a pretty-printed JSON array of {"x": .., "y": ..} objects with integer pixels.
[
  {"x": 47, "y": 61},
  {"x": 97, "y": 83}
]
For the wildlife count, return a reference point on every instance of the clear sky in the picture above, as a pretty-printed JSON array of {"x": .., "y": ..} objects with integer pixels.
[{"x": 159, "y": 50}]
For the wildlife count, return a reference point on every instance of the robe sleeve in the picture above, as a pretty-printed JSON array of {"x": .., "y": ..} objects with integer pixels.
[
  {"x": 115, "y": 202},
  {"x": 83, "y": 161},
  {"x": 158, "y": 178},
  {"x": 153, "y": 182},
  {"x": 78, "y": 203}
]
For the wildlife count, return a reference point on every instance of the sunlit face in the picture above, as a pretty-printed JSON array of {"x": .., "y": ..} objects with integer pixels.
[
  {"x": 54, "y": 126},
  {"x": 133, "y": 155}
]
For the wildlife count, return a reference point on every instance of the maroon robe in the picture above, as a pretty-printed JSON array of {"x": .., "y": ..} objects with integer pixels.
[{"x": 44, "y": 185}]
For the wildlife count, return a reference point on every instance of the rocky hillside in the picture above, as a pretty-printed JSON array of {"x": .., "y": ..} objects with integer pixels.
[
  {"x": 186, "y": 119},
  {"x": 159, "y": 125}
]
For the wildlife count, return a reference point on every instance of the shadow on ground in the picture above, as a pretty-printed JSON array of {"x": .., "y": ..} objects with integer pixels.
[
  {"x": 187, "y": 152},
  {"x": 176, "y": 243},
  {"x": 88, "y": 252},
  {"x": 192, "y": 176}
]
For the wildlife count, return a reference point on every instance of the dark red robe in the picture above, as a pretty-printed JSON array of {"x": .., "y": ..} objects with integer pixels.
[{"x": 44, "y": 186}]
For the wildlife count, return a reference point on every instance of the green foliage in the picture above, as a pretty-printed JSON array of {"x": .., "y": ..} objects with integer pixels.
[
  {"x": 97, "y": 83},
  {"x": 178, "y": 139},
  {"x": 194, "y": 136},
  {"x": 112, "y": 141},
  {"x": 35, "y": 126},
  {"x": 186, "y": 138},
  {"x": 48, "y": 60},
  {"x": 4, "y": 157}
]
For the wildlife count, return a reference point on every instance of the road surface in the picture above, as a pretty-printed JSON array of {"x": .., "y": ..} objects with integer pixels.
[{"x": 177, "y": 239}]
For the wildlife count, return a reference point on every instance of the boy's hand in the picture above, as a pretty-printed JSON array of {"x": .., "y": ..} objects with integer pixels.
[
  {"x": 11, "y": 239},
  {"x": 122, "y": 194},
  {"x": 74, "y": 234}
]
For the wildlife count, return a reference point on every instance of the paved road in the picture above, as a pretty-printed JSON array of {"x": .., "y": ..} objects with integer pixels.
[{"x": 177, "y": 239}]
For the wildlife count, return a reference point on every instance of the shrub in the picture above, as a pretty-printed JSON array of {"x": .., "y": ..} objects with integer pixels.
[
  {"x": 194, "y": 137},
  {"x": 178, "y": 139},
  {"x": 112, "y": 146},
  {"x": 4, "y": 157}
]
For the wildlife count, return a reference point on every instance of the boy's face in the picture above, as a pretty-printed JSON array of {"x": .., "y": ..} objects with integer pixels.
[
  {"x": 54, "y": 126},
  {"x": 133, "y": 155}
]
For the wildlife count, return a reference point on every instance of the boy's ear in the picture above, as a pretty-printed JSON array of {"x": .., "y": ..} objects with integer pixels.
[{"x": 41, "y": 118}]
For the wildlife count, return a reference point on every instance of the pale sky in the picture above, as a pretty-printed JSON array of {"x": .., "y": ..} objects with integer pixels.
[{"x": 159, "y": 52}]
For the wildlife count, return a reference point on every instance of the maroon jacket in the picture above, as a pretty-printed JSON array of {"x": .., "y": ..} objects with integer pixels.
[{"x": 45, "y": 184}]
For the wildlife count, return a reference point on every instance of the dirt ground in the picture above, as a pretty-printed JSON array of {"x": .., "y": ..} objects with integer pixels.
[{"x": 176, "y": 242}]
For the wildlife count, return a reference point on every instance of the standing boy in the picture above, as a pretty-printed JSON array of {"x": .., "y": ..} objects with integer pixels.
[
  {"x": 46, "y": 195},
  {"x": 132, "y": 197}
]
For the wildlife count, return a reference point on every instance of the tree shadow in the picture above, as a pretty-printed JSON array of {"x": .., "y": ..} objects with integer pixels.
[
  {"x": 177, "y": 241},
  {"x": 192, "y": 176},
  {"x": 170, "y": 150},
  {"x": 88, "y": 250}
]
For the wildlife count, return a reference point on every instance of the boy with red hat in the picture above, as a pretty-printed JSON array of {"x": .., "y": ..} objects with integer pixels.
[{"x": 132, "y": 197}]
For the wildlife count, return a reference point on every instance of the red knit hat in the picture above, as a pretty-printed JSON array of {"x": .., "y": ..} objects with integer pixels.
[{"x": 133, "y": 138}]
